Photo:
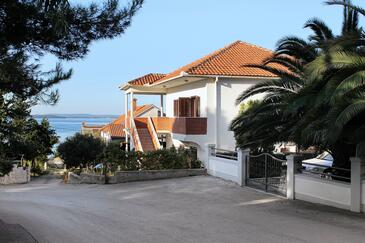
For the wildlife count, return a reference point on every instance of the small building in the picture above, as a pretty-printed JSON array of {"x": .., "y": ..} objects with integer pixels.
[{"x": 93, "y": 130}]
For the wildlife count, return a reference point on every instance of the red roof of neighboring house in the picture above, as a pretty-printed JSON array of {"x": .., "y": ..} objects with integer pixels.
[
  {"x": 227, "y": 61},
  {"x": 115, "y": 130},
  {"x": 116, "y": 127},
  {"x": 147, "y": 79}
]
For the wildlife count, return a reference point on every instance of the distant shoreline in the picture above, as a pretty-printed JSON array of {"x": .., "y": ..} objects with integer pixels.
[{"x": 73, "y": 116}]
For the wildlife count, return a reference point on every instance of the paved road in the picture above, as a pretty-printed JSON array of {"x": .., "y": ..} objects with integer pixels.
[{"x": 198, "y": 209}]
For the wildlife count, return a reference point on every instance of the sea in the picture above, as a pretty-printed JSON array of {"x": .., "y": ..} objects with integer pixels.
[{"x": 66, "y": 126}]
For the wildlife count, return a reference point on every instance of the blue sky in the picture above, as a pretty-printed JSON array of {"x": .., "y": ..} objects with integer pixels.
[{"x": 168, "y": 34}]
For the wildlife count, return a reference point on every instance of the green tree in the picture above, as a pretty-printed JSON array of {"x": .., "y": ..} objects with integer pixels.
[
  {"x": 302, "y": 106},
  {"x": 80, "y": 150},
  {"x": 31, "y": 29}
]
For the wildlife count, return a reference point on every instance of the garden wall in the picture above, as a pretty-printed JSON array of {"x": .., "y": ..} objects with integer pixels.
[
  {"x": 17, "y": 176},
  {"x": 127, "y": 176},
  {"x": 333, "y": 193}
]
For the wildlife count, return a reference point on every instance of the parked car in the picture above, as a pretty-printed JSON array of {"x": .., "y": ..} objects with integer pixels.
[
  {"x": 319, "y": 163},
  {"x": 98, "y": 166}
]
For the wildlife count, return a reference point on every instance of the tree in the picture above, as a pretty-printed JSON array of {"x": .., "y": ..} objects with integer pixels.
[
  {"x": 80, "y": 150},
  {"x": 302, "y": 106},
  {"x": 29, "y": 30}
]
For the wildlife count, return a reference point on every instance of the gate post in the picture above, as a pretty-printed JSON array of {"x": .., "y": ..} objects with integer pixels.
[
  {"x": 356, "y": 173},
  {"x": 290, "y": 173},
  {"x": 210, "y": 148},
  {"x": 242, "y": 157}
]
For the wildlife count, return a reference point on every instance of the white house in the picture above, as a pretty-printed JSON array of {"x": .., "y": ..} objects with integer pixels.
[{"x": 199, "y": 99}]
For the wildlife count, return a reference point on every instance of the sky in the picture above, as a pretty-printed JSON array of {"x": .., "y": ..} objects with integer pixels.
[{"x": 166, "y": 34}]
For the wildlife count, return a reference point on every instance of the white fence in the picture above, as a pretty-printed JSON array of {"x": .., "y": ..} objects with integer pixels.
[
  {"x": 345, "y": 195},
  {"x": 17, "y": 176},
  {"x": 228, "y": 165}
]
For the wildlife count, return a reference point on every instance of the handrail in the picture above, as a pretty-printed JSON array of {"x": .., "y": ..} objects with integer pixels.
[
  {"x": 134, "y": 133},
  {"x": 152, "y": 131},
  {"x": 267, "y": 154}
]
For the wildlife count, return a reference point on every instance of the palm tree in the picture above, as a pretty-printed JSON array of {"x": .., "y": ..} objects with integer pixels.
[{"x": 306, "y": 103}]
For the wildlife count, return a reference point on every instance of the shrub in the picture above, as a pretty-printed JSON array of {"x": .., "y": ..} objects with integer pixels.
[
  {"x": 80, "y": 150},
  {"x": 5, "y": 167},
  {"x": 153, "y": 160}
]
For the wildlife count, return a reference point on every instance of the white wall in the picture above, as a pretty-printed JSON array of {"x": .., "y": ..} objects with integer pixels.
[
  {"x": 228, "y": 91},
  {"x": 217, "y": 103},
  {"x": 188, "y": 90},
  {"x": 316, "y": 190},
  {"x": 363, "y": 196},
  {"x": 203, "y": 89},
  {"x": 223, "y": 168}
]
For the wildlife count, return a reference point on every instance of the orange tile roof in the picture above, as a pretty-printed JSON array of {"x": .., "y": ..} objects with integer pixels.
[
  {"x": 115, "y": 130},
  {"x": 228, "y": 61},
  {"x": 147, "y": 79},
  {"x": 116, "y": 127}
]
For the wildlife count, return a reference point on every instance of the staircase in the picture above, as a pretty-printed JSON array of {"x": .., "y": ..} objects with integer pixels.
[{"x": 144, "y": 134}]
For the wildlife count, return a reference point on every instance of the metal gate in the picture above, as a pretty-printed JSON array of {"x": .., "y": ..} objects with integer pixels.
[{"x": 265, "y": 172}]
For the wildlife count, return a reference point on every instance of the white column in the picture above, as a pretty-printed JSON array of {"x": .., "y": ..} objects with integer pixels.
[
  {"x": 356, "y": 182},
  {"x": 290, "y": 177},
  {"x": 242, "y": 157},
  {"x": 161, "y": 105},
  {"x": 132, "y": 111},
  {"x": 217, "y": 113},
  {"x": 126, "y": 120}
]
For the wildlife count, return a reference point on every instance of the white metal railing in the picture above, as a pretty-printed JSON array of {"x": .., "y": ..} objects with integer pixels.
[
  {"x": 223, "y": 153},
  {"x": 326, "y": 172}
]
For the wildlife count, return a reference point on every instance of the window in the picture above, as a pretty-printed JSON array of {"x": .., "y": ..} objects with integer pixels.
[{"x": 187, "y": 107}]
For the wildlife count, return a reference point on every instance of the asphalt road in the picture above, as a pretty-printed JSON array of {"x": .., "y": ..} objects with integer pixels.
[{"x": 197, "y": 209}]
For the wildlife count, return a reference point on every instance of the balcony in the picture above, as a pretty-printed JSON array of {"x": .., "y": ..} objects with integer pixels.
[{"x": 181, "y": 125}]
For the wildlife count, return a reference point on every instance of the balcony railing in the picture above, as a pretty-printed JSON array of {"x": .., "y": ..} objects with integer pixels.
[{"x": 181, "y": 125}]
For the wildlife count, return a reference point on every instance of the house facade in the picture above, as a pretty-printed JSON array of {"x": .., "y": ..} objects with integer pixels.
[{"x": 199, "y": 99}]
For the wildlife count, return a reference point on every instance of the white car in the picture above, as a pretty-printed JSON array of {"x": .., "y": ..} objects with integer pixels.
[{"x": 319, "y": 163}]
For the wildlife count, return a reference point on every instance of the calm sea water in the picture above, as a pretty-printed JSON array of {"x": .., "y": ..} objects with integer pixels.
[{"x": 69, "y": 126}]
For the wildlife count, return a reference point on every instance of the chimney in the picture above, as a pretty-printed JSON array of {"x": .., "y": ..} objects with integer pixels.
[{"x": 134, "y": 104}]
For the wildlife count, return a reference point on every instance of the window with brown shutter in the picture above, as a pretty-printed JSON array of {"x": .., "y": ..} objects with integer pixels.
[{"x": 187, "y": 107}]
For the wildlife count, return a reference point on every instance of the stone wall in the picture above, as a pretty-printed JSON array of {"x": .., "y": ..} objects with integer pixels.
[
  {"x": 17, "y": 176},
  {"x": 127, "y": 176}
]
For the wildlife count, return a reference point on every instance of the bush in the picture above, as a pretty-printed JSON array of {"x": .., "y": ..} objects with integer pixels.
[
  {"x": 154, "y": 160},
  {"x": 5, "y": 167},
  {"x": 80, "y": 150}
]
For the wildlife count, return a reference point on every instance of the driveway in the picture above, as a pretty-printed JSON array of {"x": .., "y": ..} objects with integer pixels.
[{"x": 196, "y": 209}]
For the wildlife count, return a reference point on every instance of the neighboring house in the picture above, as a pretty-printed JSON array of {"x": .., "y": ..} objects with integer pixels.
[
  {"x": 200, "y": 100},
  {"x": 93, "y": 130},
  {"x": 114, "y": 131}
]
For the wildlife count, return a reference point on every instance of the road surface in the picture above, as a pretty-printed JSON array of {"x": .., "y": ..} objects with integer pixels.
[{"x": 197, "y": 209}]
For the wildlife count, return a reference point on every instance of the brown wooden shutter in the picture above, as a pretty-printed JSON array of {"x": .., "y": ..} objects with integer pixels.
[
  {"x": 195, "y": 106},
  {"x": 184, "y": 107},
  {"x": 176, "y": 108}
]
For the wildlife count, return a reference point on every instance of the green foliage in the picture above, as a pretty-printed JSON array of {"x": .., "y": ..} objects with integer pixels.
[
  {"x": 153, "y": 160},
  {"x": 80, "y": 150},
  {"x": 5, "y": 167},
  {"x": 30, "y": 30},
  {"x": 319, "y": 98}
]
